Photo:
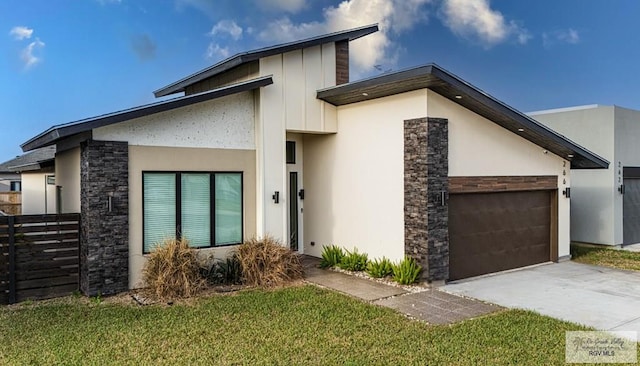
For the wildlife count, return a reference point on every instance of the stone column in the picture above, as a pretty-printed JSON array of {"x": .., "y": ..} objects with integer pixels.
[
  {"x": 425, "y": 195},
  {"x": 104, "y": 203}
]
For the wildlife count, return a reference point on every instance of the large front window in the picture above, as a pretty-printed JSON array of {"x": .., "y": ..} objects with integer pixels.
[{"x": 204, "y": 208}]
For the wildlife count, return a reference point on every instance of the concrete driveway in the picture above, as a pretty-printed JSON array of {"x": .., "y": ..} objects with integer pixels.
[{"x": 603, "y": 298}]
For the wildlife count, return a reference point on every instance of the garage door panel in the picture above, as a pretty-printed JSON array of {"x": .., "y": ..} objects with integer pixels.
[
  {"x": 631, "y": 211},
  {"x": 490, "y": 232}
]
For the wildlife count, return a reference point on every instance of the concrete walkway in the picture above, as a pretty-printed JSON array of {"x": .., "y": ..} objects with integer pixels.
[
  {"x": 431, "y": 305},
  {"x": 600, "y": 297}
]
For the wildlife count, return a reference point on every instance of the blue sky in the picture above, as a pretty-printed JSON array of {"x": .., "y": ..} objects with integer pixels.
[{"x": 65, "y": 60}]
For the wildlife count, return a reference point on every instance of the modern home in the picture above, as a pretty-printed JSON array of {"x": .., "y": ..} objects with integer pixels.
[
  {"x": 605, "y": 203},
  {"x": 31, "y": 177},
  {"x": 279, "y": 141}
]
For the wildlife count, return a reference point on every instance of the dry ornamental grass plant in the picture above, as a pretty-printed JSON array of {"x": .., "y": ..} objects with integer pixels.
[
  {"x": 265, "y": 262},
  {"x": 172, "y": 270}
]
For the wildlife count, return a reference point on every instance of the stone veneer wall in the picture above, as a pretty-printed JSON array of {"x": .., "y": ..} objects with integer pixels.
[
  {"x": 104, "y": 240},
  {"x": 426, "y": 169}
]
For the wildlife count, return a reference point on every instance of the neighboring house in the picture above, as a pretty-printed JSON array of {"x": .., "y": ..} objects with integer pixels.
[
  {"x": 278, "y": 141},
  {"x": 605, "y": 204},
  {"x": 32, "y": 174},
  {"x": 9, "y": 179}
]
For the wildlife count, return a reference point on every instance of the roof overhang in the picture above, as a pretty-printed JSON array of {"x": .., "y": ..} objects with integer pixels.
[
  {"x": 33, "y": 166},
  {"x": 245, "y": 57},
  {"x": 459, "y": 91},
  {"x": 59, "y": 132}
]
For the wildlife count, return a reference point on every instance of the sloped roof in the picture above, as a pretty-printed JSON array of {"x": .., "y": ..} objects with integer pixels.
[
  {"x": 32, "y": 160},
  {"x": 59, "y": 132},
  {"x": 245, "y": 57},
  {"x": 434, "y": 77}
]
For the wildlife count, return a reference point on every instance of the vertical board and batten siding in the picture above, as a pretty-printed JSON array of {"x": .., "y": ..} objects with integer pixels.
[{"x": 38, "y": 256}]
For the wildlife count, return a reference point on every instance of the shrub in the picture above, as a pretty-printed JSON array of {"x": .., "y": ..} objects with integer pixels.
[
  {"x": 406, "y": 272},
  {"x": 172, "y": 270},
  {"x": 265, "y": 262},
  {"x": 354, "y": 261},
  {"x": 380, "y": 268},
  {"x": 224, "y": 271},
  {"x": 331, "y": 256}
]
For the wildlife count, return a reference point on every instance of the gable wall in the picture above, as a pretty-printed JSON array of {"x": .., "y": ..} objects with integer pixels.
[
  {"x": 354, "y": 180},
  {"x": 238, "y": 74},
  {"x": 479, "y": 147},
  {"x": 226, "y": 123}
]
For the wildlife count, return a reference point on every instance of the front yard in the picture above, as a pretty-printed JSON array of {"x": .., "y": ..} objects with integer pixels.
[
  {"x": 294, "y": 325},
  {"x": 615, "y": 258}
]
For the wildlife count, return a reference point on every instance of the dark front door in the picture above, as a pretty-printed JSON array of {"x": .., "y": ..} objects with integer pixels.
[
  {"x": 293, "y": 210},
  {"x": 491, "y": 232}
]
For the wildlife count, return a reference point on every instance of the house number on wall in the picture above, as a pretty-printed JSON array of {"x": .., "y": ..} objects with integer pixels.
[{"x": 619, "y": 172}]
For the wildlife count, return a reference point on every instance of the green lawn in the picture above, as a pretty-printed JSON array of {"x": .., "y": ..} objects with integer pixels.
[
  {"x": 295, "y": 325},
  {"x": 615, "y": 258}
]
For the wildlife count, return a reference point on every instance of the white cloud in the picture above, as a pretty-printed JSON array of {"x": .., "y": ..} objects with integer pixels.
[
  {"x": 21, "y": 33},
  {"x": 227, "y": 27},
  {"x": 104, "y": 2},
  {"x": 475, "y": 20},
  {"x": 569, "y": 36},
  {"x": 393, "y": 17},
  {"x": 214, "y": 51},
  {"x": 290, "y": 6},
  {"x": 28, "y": 53}
]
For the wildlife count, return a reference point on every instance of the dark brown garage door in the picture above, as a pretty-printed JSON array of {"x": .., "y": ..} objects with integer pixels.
[{"x": 490, "y": 232}]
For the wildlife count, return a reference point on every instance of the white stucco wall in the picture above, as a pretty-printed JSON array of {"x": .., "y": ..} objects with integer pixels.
[
  {"x": 479, "y": 147},
  {"x": 226, "y": 123},
  {"x": 354, "y": 180},
  {"x": 37, "y": 196},
  {"x": 68, "y": 177},
  {"x": 595, "y": 203}
]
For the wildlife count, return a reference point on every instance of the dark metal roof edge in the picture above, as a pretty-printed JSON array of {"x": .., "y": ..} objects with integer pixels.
[
  {"x": 518, "y": 116},
  {"x": 58, "y": 132},
  {"x": 26, "y": 167},
  {"x": 244, "y": 57},
  {"x": 467, "y": 88},
  {"x": 390, "y": 77}
]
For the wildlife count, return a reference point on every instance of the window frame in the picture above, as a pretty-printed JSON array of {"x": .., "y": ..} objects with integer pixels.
[
  {"x": 15, "y": 183},
  {"x": 290, "y": 147},
  {"x": 212, "y": 197}
]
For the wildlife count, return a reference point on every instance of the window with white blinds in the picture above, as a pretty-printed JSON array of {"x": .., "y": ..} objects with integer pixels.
[
  {"x": 228, "y": 211},
  {"x": 196, "y": 209},
  {"x": 159, "y": 208},
  {"x": 204, "y": 208}
]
